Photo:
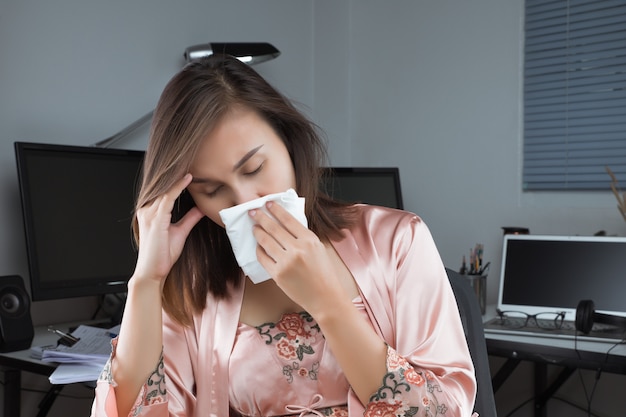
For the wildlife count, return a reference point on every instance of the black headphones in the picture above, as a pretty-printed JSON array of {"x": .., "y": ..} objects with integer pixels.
[{"x": 586, "y": 316}]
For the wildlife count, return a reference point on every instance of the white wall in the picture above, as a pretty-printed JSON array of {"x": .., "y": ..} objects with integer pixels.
[
  {"x": 75, "y": 72},
  {"x": 438, "y": 93},
  {"x": 436, "y": 90},
  {"x": 432, "y": 86}
]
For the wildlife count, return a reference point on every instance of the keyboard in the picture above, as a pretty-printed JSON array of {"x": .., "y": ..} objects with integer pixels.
[{"x": 599, "y": 332}]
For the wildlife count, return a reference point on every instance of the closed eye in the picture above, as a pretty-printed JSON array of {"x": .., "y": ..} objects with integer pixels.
[
  {"x": 214, "y": 192},
  {"x": 254, "y": 172}
]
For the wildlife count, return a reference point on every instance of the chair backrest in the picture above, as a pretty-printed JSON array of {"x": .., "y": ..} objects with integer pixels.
[{"x": 469, "y": 309}]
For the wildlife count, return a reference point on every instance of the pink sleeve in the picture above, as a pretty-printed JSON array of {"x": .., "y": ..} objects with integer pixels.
[
  {"x": 157, "y": 397},
  {"x": 151, "y": 401},
  {"x": 406, "y": 391},
  {"x": 192, "y": 363},
  {"x": 429, "y": 333},
  {"x": 429, "y": 363}
]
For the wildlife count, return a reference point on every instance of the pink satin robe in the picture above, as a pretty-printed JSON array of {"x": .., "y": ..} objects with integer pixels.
[{"x": 407, "y": 296}]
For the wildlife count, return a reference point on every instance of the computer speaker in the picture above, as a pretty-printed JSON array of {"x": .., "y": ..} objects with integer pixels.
[
  {"x": 586, "y": 316},
  {"x": 16, "y": 325}
]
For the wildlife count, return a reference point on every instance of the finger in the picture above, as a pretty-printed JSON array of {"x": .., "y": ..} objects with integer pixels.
[
  {"x": 272, "y": 228},
  {"x": 286, "y": 219},
  {"x": 166, "y": 201},
  {"x": 267, "y": 241},
  {"x": 266, "y": 261},
  {"x": 190, "y": 219},
  {"x": 173, "y": 193},
  {"x": 182, "y": 184}
]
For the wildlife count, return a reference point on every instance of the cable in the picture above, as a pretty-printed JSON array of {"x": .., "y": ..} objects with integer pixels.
[
  {"x": 589, "y": 396},
  {"x": 573, "y": 404},
  {"x": 516, "y": 409},
  {"x": 99, "y": 308},
  {"x": 41, "y": 391}
]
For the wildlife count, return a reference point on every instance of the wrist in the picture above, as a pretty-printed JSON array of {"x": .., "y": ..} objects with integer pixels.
[
  {"x": 334, "y": 313},
  {"x": 142, "y": 284}
]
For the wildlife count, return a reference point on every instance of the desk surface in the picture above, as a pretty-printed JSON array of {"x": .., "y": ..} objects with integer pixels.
[
  {"x": 608, "y": 356},
  {"x": 15, "y": 362},
  {"x": 23, "y": 360},
  {"x": 537, "y": 344}
]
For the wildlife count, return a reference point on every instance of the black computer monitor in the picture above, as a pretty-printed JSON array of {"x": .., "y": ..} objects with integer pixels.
[
  {"x": 77, "y": 205},
  {"x": 371, "y": 185}
]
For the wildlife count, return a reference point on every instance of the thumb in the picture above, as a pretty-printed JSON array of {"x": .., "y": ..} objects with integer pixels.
[{"x": 189, "y": 220}]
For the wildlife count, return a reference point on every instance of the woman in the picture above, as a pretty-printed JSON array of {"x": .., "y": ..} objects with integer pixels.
[{"x": 358, "y": 316}]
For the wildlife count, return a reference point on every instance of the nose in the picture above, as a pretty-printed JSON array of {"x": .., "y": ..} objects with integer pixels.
[{"x": 243, "y": 194}]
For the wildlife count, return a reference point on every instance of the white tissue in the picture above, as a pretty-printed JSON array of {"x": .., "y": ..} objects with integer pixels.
[{"x": 239, "y": 229}]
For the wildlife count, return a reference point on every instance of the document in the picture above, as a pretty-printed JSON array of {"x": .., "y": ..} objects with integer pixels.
[
  {"x": 84, "y": 360},
  {"x": 94, "y": 345},
  {"x": 69, "y": 373}
]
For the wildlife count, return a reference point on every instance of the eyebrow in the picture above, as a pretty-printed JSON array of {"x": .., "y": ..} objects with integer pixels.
[
  {"x": 246, "y": 157},
  {"x": 238, "y": 165}
]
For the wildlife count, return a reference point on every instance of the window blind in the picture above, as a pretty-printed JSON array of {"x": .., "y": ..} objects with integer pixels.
[{"x": 574, "y": 94}]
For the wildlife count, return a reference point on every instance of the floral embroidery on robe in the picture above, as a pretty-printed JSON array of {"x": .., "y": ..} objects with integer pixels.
[
  {"x": 405, "y": 391},
  {"x": 294, "y": 336}
]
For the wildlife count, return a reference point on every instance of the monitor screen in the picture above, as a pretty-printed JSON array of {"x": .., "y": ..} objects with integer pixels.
[
  {"x": 77, "y": 205},
  {"x": 376, "y": 186},
  {"x": 553, "y": 273}
]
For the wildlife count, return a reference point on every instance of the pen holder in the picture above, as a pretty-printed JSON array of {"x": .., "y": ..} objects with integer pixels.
[{"x": 479, "y": 285}]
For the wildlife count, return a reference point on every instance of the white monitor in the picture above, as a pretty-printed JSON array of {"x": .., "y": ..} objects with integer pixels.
[{"x": 553, "y": 273}]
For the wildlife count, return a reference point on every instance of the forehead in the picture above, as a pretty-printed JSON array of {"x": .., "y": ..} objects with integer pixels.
[{"x": 235, "y": 135}]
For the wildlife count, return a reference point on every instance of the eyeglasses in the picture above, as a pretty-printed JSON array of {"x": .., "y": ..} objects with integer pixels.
[{"x": 519, "y": 319}]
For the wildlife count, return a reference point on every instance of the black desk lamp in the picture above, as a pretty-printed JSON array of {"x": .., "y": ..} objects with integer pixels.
[{"x": 249, "y": 52}]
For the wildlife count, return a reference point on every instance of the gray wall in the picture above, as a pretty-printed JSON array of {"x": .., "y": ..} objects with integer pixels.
[{"x": 431, "y": 86}]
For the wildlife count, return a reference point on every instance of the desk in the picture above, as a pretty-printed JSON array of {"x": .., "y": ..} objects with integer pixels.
[
  {"x": 13, "y": 363},
  {"x": 543, "y": 351}
]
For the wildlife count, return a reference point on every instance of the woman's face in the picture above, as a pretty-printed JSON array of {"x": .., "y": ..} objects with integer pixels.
[{"x": 240, "y": 160}]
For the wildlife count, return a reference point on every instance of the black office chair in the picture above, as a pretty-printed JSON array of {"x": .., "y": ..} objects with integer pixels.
[{"x": 469, "y": 309}]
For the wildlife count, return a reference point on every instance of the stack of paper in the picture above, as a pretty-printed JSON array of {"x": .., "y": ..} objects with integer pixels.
[
  {"x": 84, "y": 360},
  {"x": 69, "y": 373}
]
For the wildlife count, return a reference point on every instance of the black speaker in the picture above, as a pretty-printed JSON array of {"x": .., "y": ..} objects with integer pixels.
[
  {"x": 16, "y": 324},
  {"x": 586, "y": 316}
]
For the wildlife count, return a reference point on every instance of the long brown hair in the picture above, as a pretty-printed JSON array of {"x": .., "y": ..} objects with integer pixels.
[{"x": 190, "y": 106}]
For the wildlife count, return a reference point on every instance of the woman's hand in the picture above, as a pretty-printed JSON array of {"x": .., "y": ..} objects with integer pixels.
[
  {"x": 160, "y": 241},
  {"x": 141, "y": 335},
  {"x": 314, "y": 277},
  {"x": 297, "y": 260}
]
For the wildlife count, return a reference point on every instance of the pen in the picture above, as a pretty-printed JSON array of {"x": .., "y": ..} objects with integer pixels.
[
  {"x": 484, "y": 269},
  {"x": 66, "y": 338}
]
